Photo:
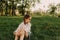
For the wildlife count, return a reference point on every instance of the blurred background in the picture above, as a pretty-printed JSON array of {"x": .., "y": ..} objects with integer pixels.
[
  {"x": 22, "y": 7},
  {"x": 45, "y": 18}
]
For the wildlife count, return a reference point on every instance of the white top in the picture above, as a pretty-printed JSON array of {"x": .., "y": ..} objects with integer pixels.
[{"x": 26, "y": 27}]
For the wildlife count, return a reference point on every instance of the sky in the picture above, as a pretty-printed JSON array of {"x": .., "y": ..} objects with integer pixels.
[{"x": 44, "y": 4}]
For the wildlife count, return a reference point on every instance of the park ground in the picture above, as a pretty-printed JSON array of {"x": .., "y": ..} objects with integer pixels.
[{"x": 43, "y": 28}]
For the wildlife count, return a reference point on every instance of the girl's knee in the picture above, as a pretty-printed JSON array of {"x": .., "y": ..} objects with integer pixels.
[{"x": 22, "y": 37}]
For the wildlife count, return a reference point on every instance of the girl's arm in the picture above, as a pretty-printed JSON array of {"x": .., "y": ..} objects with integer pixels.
[{"x": 26, "y": 34}]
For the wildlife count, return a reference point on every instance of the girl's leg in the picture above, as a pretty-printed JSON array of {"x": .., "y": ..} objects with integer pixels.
[
  {"x": 22, "y": 37},
  {"x": 16, "y": 37}
]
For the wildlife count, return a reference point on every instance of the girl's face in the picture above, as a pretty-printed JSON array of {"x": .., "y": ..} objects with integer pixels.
[{"x": 27, "y": 20}]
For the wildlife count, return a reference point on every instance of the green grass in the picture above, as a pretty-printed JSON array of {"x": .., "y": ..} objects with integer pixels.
[{"x": 43, "y": 28}]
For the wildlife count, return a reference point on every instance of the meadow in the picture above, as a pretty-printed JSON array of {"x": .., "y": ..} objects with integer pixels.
[{"x": 43, "y": 28}]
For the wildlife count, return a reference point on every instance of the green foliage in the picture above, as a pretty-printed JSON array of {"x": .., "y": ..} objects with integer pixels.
[
  {"x": 9, "y": 6},
  {"x": 43, "y": 28}
]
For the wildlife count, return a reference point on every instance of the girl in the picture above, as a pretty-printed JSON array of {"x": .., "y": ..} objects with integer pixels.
[{"x": 23, "y": 29}]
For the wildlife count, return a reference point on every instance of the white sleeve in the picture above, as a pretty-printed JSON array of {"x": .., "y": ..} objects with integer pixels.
[
  {"x": 28, "y": 28},
  {"x": 19, "y": 27}
]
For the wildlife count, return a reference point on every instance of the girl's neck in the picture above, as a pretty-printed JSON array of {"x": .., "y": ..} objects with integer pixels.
[{"x": 25, "y": 22}]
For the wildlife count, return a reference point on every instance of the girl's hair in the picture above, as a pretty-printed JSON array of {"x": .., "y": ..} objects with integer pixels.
[{"x": 26, "y": 16}]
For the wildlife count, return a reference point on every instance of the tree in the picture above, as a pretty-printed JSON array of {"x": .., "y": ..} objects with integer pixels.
[
  {"x": 58, "y": 7},
  {"x": 26, "y": 4},
  {"x": 52, "y": 9},
  {"x": 58, "y": 10},
  {"x": 11, "y": 5},
  {"x": 2, "y": 7}
]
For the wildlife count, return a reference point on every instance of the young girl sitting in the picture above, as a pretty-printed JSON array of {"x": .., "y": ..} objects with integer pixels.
[{"x": 23, "y": 29}]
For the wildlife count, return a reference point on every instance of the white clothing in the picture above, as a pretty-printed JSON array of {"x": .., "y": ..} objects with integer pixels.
[{"x": 26, "y": 27}]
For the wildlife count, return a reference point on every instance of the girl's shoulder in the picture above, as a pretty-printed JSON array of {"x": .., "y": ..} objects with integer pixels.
[{"x": 22, "y": 23}]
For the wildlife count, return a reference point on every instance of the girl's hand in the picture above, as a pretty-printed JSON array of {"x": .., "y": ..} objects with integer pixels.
[{"x": 26, "y": 34}]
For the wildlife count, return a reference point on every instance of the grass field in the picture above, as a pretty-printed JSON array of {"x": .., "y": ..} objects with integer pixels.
[{"x": 43, "y": 28}]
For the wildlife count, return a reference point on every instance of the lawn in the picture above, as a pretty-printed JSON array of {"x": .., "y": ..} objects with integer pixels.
[{"x": 43, "y": 28}]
